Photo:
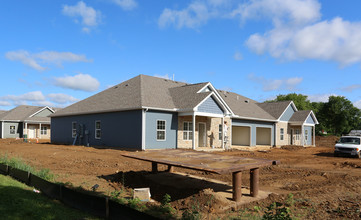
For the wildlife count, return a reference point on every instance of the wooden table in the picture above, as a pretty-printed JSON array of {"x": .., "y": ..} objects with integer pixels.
[{"x": 214, "y": 163}]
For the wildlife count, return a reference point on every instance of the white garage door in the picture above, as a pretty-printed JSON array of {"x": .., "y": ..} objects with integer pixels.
[{"x": 241, "y": 136}]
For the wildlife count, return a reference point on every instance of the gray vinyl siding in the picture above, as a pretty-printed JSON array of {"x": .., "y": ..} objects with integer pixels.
[
  {"x": 287, "y": 114},
  {"x": 43, "y": 113},
  {"x": 210, "y": 106},
  {"x": 121, "y": 130},
  {"x": 310, "y": 120},
  {"x": 18, "y": 130},
  {"x": 309, "y": 129},
  {"x": 253, "y": 127},
  {"x": 171, "y": 127}
]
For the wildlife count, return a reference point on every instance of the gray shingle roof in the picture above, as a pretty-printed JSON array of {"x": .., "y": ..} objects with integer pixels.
[
  {"x": 300, "y": 116},
  {"x": 245, "y": 107},
  {"x": 274, "y": 108},
  {"x": 23, "y": 113}
]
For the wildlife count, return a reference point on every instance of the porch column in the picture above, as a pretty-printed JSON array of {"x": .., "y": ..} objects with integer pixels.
[
  {"x": 314, "y": 135},
  {"x": 26, "y": 129},
  {"x": 223, "y": 133},
  {"x": 302, "y": 136},
  {"x": 39, "y": 131},
  {"x": 194, "y": 131}
]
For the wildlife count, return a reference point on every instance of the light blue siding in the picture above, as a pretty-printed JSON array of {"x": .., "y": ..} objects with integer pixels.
[
  {"x": 210, "y": 106},
  {"x": 253, "y": 126},
  {"x": 310, "y": 120},
  {"x": 118, "y": 129},
  {"x": 18, "y": 130},
  {"x": 287, "y": 114},
  {"x": 309, "y": 139},
  {"x": 171, "y": 127}
]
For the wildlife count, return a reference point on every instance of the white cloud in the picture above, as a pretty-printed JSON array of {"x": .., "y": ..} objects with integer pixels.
[
  {"x": 5, "y": 103},
  {"x": 33, "y": 60},
  {"x": 195, "y": 15},
  {"x": 81, "y": 81},
  {"x": 289, "y": 84},
  {"x": 357, "y": 104},
  {"x": 320, "y": 97},
  {"x": 90, "y": 17},
  {"x": 126, "y": 4},
  {"x": 30, "y": 96},
  {"x": 299, "y": 34},
  {"x": 351, "y": 88},
  {"x": 238, "y": 56},
  {"x": 61, "y": 98}
]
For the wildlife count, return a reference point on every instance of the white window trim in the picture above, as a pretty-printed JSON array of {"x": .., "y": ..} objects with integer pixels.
[
  {"x": 42, "y": 131},
  {"x": 297, "y": 132},
  {"x": 14, "y": 129},
  {"x": 220, "y": 132},
  {"x": 72, "y": 129},
  {"x": 95, "y": 133},
  {"x": 306, "y": 135},
  {"x": 165, "y": 130},
  {"x": 282, "y": 134},
  {"x": 188, "y": 131}
]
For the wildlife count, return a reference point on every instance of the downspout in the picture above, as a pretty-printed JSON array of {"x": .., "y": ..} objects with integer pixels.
[{"x": 143, "y": 126}]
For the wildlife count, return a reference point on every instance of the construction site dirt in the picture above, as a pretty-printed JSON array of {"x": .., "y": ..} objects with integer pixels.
[{"x": 309, "y": 181}]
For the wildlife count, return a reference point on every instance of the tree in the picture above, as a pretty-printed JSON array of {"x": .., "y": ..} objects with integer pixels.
[{"x": 301, "y": 101}]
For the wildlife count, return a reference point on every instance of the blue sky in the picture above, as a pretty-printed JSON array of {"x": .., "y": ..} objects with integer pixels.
[{"x": 58, "y": 52}]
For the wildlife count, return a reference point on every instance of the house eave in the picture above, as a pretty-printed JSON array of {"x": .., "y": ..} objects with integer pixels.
[{"x": 251, "y": 118}]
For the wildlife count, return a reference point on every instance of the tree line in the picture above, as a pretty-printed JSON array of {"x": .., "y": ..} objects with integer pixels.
[{"x": 337, "y": 116}]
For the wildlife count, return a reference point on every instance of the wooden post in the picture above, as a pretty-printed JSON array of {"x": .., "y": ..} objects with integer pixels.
[
  {"x": 237, "y": 185},
  {"x": 254, "y": 182},
  {"x": 154, "y": 167},
  {"x": 170, "y": 169}
]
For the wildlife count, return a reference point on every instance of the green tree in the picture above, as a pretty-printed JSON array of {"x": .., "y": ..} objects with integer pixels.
[{"x": 301, "y": 101}]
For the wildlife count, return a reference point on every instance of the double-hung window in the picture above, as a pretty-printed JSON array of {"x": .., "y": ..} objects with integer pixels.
[
  {"x": 297, "y": 134},
  {"x": 160, "y": 130},
  {"x": 220, "y": 132},
  {"x": 282, "y": 131},
  {"x": 306, "y": 135},
  {"x": 12, "y": 129},
  {"x": 43, "y": 130},
  {"x": 187, "y": 130},
  {"x": 73, "y": 129},
  {"x": 98, "y": 130}
]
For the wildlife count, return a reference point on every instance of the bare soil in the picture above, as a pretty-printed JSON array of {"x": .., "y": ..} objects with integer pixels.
[{"x": 322, "y": 186}]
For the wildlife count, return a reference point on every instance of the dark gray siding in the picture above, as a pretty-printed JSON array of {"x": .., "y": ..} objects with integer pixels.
[
  {"x": 310, "y": 120},
  {"x": 171, "y": 120},
  {"x": 18, "y": 130},
  {"x": 253, "y": 127},
  {"x": 287, "y": 114},
  {"x": 1, "y": 127},
  {"x": 118, "y": 129},
  {"x": 210, "y": 106}
]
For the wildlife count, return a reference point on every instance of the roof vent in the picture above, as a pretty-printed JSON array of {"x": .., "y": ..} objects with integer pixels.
[
  {"x": 246, "y": 101},
  {"x": 237, "y": 97},
  {"x": 126, "y": 84},
  {"x": 115, "y": 87}
]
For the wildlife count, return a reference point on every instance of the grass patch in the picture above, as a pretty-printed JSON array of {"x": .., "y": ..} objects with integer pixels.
[
  {"x": 20, "y": 164},
  {"x": 18, "y": 201}
]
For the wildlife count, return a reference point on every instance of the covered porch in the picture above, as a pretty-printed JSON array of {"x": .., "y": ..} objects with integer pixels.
[
  {"x": 302, "y": 134},
  {"x": 37, "y": 130}
]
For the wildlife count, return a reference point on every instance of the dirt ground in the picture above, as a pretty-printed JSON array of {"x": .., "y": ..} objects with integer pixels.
[{"x": 310, "y": 181}]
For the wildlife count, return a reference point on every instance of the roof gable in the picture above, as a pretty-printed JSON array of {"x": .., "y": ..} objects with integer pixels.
[
  {"x": 210, "y": 105},
  {"x": 24, "y": 113}
]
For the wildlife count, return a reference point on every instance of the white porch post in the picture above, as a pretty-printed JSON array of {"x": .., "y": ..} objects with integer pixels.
[
  {"x": 230, "y": 135},
  {"x": 223, "y": 132},
  {"x": 26, "y": 129},
  {"x": 302, "y": 136},
  {"x": 314, "y": 135},
  {"x": 39, "y": 131},
  {"x": 194, "y": 131}
]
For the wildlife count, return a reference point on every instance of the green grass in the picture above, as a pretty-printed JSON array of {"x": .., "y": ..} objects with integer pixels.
[
  {"x": 18, "y": 201},
  {"x": 20, "y": 164}
]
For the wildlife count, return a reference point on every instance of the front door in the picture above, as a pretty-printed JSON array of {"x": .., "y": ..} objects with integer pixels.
[
  {"x": 31, "y": 131},
  {"x": 202, "y": 135}
]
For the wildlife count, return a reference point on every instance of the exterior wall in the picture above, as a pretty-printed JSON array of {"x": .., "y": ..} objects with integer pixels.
[
  {"x": 1, "y": 129},
  {"x": 310, "y": 135},
  {"x": 253, "y": 126},
  {"x": 45, "y": 112},
  {"x": 37, "y": 131},
  {"x": 210, "y": 106},
  {"x": 171, "y": 120},
  {"x": 286, "y": 134},
  {"x": 263, "y": 136},
  {"x": 296, "y": 140},
  {"x": 18, "y": 130},
  {"x": 287, "y": 114},
  {"x": 212, "y": 131},
  {"x": 241, "y": 136},
  {"x": 310, "y": 120},
  {"x": 118, "y": 129}
]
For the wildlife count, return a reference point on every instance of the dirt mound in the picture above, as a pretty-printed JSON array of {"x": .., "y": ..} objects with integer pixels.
[{"x": 292, "y": 147}]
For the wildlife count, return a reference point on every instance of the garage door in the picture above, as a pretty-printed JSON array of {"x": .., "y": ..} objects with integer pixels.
[
  {"x": 263, "y": 136},
  {"x": 241, "y": 136}
]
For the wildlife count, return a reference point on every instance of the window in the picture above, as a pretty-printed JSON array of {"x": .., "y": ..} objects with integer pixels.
[
  {"x": 43, "y": 130},
  {"x": 297, "y": 131},
  {"x": 12, "y": 129},
  {"x": 306, "y": 135},
  {"x": 281, "y": 134},
  {"x": 74, "y": 129},
  {"x": 220, "y": 132},
  {"x": 160, "y": 130},
  {"x": 98, "y": 130},
  {"x": 187, "y": 130}
]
